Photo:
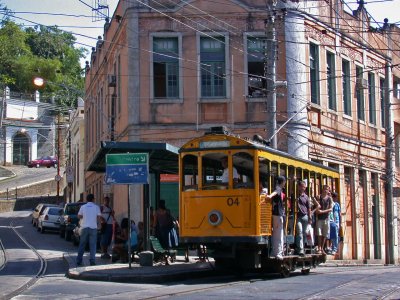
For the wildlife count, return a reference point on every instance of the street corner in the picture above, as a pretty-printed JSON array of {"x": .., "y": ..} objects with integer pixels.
[{"x": 138, "y": 274}]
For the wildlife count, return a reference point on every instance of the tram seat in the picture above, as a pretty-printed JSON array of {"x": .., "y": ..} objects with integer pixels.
[{"x": 161, "y": 254}]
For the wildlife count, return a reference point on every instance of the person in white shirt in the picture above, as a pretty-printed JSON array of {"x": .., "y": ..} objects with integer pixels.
[
  {"x": 89, "y": 214},
  {"x": 225, "y": 174},
  {"x": 107, "y": 227}
]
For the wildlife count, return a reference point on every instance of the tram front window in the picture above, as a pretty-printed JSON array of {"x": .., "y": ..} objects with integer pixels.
[
  {"x": 190, "y": 173},
  {"x": 213, "y": 171}
]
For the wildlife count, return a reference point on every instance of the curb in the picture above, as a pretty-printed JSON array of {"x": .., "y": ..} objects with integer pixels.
[
  {"x": 137, "y": 274},
  {"x": 349, "y": 263},
  {"x": 140, "y": 278}
]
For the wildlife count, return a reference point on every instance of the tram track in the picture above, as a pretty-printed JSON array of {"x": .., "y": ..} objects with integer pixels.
[
  {"x": 3, "y": 256},
  {"x": 40, "y": 273},
  {"x": 324, "y": 294}
]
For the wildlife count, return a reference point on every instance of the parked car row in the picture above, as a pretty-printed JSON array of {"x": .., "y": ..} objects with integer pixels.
[
  {"x": 62, "y": 219},
  {"x": 38, "y": 212}
]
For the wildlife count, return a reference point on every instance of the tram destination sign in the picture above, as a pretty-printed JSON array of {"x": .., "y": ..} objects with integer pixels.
[{"x": 127, "y": 168}]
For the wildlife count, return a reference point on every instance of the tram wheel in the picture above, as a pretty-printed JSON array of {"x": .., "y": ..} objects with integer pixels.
[
  {"x": 224, "y": 263},
  {"x": 305, "y": 271},
  {"x": 285, "y": 270}
]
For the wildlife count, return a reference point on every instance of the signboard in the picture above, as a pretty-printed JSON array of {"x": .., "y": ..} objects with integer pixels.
[
  {"x": 127, "y": 168},
  {"x": 69, "y": 170},
  {"x": 169, "y": 178}
]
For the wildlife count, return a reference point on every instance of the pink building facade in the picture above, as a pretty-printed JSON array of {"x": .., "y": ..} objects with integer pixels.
[{"x": 167, "y": 71}]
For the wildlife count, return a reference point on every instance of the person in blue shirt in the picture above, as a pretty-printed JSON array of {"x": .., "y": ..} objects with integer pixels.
[{"x": 335, "y": 223}]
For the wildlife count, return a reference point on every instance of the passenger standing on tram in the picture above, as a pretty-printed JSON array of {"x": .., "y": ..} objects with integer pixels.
[
  {"x": 325, "y": 201},
  {"x": 303, "y": 217},
  {"x": 335, "y": 223},
  {"x": 278, "y": 215},
  {"x": 314, "y": 209}
]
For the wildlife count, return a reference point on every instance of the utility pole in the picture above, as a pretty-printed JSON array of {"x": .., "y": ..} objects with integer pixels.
[
  {"x": 70, "y": 168},
  {"x": 270, "y": 74},
  {"x": 389, "y": 168},
  {"x": 58, "y": 177}
]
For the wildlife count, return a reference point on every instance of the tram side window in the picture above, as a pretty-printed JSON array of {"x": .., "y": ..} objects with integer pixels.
[
  {"x": 274, "y": 174},
  {"x": 190, "y": 172},
  {"x": 243, "y": 162},
  {"x": 264, "y": 173}
]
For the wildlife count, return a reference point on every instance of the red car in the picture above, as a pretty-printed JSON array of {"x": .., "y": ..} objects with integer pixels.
[{"x": 44, "y": 161}]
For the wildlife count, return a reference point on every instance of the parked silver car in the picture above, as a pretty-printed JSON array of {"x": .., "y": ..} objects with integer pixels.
[
  {"x": 50, "y": 219},
  {"x": 38, "y": 211}
]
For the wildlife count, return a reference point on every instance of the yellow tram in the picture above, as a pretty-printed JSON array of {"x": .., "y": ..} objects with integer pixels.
[{"x": 220, "y": 205}]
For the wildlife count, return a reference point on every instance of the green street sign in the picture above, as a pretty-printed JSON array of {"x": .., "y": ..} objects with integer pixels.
[
  {"x": 127, "y": 159},
  {"x": 127, "y": 168}
]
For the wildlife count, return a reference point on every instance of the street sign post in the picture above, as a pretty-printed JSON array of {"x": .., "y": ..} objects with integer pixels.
[{"x": 127, "y": 168}]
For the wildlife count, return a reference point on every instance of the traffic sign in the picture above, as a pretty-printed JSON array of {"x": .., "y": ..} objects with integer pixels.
[
  {"x": 69, "y": 171},
  {"x": 127, "y": 168},
  {"x": 57, "y": 178}
]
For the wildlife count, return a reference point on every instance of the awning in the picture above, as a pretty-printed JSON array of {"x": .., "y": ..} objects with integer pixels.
[{"x": 163, "y": 157}]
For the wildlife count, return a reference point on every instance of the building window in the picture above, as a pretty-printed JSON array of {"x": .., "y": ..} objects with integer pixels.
[
  {"x": 383, "y": 106},
  {"x": 346, "y": 87},
  {"x": 397, "y": 151},
  {"x": 255, "y": 67},
  {"x": 396, "y": 87},
  {"x": 165, "y": 67},
  {"x": 360, "y": 93},
  {"x": 314, "y": 73},
  {"x": 212, "y": 66},
  {"x": 331, "y": 80},
  {"x": 371, "y": 98}
]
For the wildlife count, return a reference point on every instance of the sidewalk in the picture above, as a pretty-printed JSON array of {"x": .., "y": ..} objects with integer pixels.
[{"x": 104, "y": 270}]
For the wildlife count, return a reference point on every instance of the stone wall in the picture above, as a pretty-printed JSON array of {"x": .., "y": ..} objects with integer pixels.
[
  {"x": 28, "y": 203},
  {"x": 26, "y": 198},
  {"x": 43, "y": 189}
]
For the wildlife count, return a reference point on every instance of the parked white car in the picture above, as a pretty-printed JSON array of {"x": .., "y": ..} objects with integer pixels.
[{"x": 50, "y": 219}]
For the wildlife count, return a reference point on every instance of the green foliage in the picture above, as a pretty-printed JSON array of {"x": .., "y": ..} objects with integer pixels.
[{"x": 46, "y": 52}]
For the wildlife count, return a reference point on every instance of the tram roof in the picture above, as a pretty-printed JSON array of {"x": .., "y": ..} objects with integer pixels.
[
  {"x": 163, "y": 157},
  {"x": 252, "y": 144}
]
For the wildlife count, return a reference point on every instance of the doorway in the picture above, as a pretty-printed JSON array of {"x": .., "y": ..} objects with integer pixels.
[{"x": 21, "y": 149}]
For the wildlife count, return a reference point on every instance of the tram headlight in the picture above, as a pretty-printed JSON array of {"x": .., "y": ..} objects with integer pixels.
[{"x": 214, "y": 217}]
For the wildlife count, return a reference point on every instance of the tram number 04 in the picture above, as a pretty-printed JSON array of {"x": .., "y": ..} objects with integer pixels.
[{"x": 232, "y": 201}]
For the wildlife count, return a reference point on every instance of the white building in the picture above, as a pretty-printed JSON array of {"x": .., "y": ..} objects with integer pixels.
[{"x": 27, "y": 131}]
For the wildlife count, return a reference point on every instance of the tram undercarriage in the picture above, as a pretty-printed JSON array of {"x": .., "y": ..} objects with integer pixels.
[{"x": 247, "y": 257}]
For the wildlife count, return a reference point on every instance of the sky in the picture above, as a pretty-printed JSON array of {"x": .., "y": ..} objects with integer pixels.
[{"x": 76, "y": 16}]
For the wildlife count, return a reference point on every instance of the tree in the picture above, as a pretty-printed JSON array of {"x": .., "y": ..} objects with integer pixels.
[
  {"x": 12, "y": 47},
  {"x": 42, "y": 51}
]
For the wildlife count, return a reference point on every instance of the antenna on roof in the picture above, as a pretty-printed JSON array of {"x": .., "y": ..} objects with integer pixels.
[{"x": 100, "y": 10}]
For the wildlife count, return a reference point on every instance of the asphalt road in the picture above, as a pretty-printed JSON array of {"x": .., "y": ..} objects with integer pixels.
[
  {"x": 25, "y": 176},
  {"x": 362, "y": 282}
]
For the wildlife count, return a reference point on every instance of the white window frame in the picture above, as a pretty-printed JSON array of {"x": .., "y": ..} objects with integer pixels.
[
  {"x": 178, "y": 99},
  {"x": 246, "y": 36},
  {"x": 228, "y": 76}
]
